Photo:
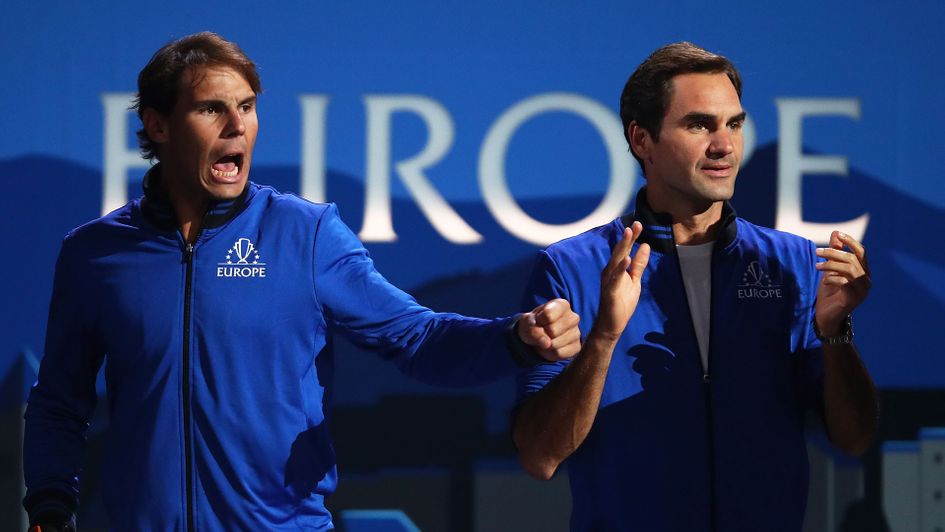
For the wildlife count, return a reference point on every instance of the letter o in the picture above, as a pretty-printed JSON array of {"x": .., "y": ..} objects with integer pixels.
[{"x": 495, "y": 190}]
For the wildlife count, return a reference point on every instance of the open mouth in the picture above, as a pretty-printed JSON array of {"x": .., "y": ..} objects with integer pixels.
[{"x": 227, "y": 166}]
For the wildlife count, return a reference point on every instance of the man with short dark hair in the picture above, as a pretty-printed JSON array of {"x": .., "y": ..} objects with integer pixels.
[
  {"x": 213, "y": 301},
  {"x": 689, "y": 416}
]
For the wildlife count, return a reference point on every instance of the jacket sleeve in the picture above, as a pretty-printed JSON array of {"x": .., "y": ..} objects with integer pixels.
[
  {"x": 62, "y": 400},
  {"x": 545, "y": 283},
  {"x": 437, "y": 348},
  {"x": 807, "y": 348}
]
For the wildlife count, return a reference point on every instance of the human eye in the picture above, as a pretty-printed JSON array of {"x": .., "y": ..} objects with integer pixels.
[
  {"x": 736, "y": 124},
  {"x": 247, "y": 107},
  {"x": 209, "y": 109},
  {"x": 697, "y": 126}
]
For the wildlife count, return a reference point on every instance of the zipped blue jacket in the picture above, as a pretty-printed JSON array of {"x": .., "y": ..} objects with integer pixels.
[
  {"x": 675, "y": 448},
  {"x": 218, "y": 361}
]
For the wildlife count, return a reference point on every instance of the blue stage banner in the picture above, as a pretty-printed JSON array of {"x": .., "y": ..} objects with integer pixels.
[{"x": 459, "y": 138}]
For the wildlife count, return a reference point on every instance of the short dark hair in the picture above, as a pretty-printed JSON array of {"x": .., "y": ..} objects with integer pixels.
[
  {"x": 647, "y": 93},
  {"x": 158, "y": 82}
]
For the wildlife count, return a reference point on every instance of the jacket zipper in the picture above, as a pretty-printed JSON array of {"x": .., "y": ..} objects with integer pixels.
[
  {"x": 710, "y": 440},
  {"x": 707, "y": 386},
  {"x": 188, "y": 451},
  {"x": 706, "y": 382}
]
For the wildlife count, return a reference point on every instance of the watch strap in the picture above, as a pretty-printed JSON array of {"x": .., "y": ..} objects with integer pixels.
[{"x": 844, "y": 337}]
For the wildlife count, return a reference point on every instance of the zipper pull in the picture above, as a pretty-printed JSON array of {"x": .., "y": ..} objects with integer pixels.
[
  {"x": 188, "y": 252},
  {"x": 705, "y": 378}
]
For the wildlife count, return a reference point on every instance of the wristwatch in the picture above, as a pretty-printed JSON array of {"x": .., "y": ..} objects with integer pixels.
[{"x": 845, "y": 336}]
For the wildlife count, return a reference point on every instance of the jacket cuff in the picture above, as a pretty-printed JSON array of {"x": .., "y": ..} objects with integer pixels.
[
  {"x": 51, "y": 508},
  {"x": 522, "y": 354}
]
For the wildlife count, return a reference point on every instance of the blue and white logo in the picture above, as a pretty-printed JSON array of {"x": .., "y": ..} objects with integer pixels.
[
  {"x": 243, "y": 248},
  {"x": 242, "y": 260},
  {"x": 756, "y": 284}
]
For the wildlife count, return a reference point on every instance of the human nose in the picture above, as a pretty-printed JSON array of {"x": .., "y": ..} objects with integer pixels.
[
  {"x": 722, "y": 143},
  {"x": 234, "y": 124}
]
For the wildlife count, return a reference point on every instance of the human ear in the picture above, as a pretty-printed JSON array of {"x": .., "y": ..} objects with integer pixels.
[
  {"x": 155, "y": 125},
  {"x": 640, "y": 140}
]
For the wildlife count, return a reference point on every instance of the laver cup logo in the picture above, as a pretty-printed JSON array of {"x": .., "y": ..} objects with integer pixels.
[
  {"x": 242, "y": 260},
  {"x": 756, "y": 284},
  {"x": 242, "y": 249}
]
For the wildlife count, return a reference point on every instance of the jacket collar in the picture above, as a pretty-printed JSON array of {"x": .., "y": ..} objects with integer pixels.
[
  {"x": 658, "y": 226},
  {"x": 157, "y": 206}
]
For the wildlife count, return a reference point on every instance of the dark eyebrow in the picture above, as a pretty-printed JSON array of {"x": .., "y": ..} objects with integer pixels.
[
  {"x": 695, "y": 117},
  {"x": 207, "y": 103},
  {"x": 213, "y": 101}
]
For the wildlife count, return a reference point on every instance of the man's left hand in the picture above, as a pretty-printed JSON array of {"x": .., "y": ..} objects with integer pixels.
[
  {"x": 845, "y": 283},
  {"x": 552, "y": 330}
]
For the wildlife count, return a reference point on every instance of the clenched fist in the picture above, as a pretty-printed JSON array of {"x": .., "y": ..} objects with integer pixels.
[{"x": 552, "y": 330}]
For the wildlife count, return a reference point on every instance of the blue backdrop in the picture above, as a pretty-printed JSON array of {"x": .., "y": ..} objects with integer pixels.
[
  {"x": 498, "y": 117},
  {"x": 473, "y": 65},
  {"x": 451, "y": 105}
]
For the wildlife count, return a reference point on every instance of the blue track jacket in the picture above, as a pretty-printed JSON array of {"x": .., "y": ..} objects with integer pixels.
[
  {"x": 674, "y": 448},
  {"x": 218, "y": 361}
]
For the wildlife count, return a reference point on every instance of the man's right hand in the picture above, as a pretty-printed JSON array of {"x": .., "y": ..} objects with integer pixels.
[
  {"x": 551, "y": 329},
  {"x": 620, "y": 284},
  {"x": 555, "y": 421}
]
